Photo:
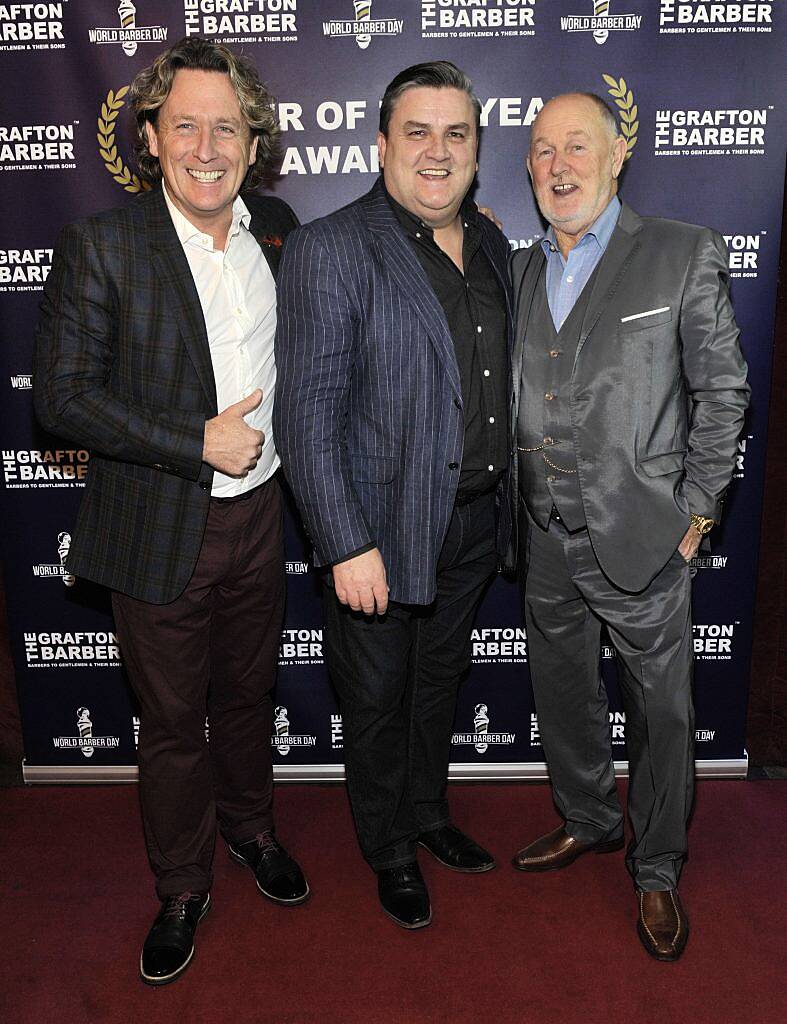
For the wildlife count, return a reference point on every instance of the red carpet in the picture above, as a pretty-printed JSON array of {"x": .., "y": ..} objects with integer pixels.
[{"x": 504, "y": 948}]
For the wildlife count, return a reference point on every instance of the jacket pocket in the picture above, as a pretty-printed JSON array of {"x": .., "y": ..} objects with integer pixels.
[
  {"x": 372, "y": 469},
  {"x": 649, "y": 319},
  {"x": 660, "y": 465}
]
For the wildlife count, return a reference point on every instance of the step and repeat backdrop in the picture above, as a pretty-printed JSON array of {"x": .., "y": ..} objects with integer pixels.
[{"x": 699, "y": 88}]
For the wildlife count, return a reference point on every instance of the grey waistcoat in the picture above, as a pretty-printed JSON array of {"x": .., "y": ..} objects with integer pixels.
[{"x": 544, "y": 411}]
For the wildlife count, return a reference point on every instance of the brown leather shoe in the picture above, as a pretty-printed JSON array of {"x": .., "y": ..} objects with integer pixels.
[
  {"x": 663, "y": 927},
  {"x": 558, "y": 850}
]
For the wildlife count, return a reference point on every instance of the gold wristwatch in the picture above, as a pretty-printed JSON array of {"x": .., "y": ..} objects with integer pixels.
[{"x": 702, "y": 524}]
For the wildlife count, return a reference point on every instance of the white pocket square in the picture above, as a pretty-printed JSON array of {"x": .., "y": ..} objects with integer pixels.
[{"x": 648, "y": 312}]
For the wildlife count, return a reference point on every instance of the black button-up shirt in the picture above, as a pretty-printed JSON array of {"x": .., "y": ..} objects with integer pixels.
[{"x": 475, "y": 307}]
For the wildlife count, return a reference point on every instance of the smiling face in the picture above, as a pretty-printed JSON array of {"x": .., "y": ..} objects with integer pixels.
[
  {"x": 429, "y": 155},
  {"x": 574, "y": 162},
  {"x": 204, "y": 147}
]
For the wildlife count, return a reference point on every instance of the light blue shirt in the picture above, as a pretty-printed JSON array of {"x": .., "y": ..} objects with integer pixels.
[{"x": 567, "y": 278}]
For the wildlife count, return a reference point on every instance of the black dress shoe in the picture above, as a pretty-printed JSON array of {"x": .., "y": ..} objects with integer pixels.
[
  {"x": 278, "y": 876},
  {"x": 169, "y": 947},
  {"x": 456, "y": 850},
  {"x": 404, "y": 896}
]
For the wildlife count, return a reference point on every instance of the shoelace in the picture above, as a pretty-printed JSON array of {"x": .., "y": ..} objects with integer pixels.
[
  {"x": 176, "y": 905},
  {"x": 266, "y": 842}
]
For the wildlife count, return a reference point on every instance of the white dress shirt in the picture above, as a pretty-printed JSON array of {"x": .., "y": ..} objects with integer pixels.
[{"x": 238, "y": 298}]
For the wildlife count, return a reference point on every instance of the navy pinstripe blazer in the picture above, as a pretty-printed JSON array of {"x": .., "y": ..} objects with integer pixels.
[
  {"x": 368, "y": 416},
  {"x": 122, "y": 366}
]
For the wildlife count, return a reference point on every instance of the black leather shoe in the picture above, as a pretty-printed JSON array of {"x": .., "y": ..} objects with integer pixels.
[
  {"x": 278, "y": 876},
  {"x": 456, "y": 850},
  {"x": 169, "y": 947},
  {"x": 404, "y": 896}
]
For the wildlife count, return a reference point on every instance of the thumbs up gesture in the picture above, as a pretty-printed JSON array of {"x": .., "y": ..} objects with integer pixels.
[{"x": 230, "y": 444}]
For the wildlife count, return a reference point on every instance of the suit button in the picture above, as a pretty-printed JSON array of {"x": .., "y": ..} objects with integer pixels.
[
  {"x": 157, "y": 465},
  {"x": 457, "y": 403},
  {"x": 204, "y": 485},
  {"x": 549, "y": 396},
  {"x": 453, "y": 465}
]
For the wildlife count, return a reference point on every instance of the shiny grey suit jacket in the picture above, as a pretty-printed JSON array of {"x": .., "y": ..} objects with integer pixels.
[{"x": 658, "y": 390}]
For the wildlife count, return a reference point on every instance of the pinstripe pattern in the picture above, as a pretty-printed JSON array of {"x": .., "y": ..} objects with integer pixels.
[
  {"x": 122, "y": 366},
  {"x": 368, "y": 412}
]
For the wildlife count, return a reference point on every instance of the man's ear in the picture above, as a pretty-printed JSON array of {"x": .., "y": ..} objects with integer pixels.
[
  {"x": 618, "y": 155},
  {"x": 381, "y": 143},
  {"x": 150, "y": 131}
]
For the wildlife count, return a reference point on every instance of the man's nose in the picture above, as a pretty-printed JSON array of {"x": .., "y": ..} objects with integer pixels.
[
  {"x": 438, "y": 148},
  {"x": 558, "y": 165},
  {"x": 205, "y": 149}
]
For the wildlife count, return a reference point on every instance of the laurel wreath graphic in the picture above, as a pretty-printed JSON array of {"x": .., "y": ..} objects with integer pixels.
[
  {"x": 624, "y": 100},
  {"x": 113, "y": 162}
]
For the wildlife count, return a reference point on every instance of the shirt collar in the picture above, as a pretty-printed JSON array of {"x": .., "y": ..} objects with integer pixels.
[
  {"x": 599, "y": 232},
  {"x": 413, "y": 226},
  {"x": 186, "y": 231}
]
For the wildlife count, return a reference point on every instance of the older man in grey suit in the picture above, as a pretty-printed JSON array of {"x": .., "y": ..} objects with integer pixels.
[{"x": 630, "y": 392}]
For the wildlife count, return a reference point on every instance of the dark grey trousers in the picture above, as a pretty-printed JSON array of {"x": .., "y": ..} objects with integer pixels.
[{"x": 567, "y": 599}]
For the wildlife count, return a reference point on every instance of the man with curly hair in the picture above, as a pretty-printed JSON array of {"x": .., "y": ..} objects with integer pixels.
[{"x": 155, "y": 350}]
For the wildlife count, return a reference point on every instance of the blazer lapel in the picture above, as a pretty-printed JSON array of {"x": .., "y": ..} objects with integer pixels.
[
  {"x": 174, "y": 275},
  {"x": 614, "y": 263},
  {"x": 269, "y": 242},
  {"x": 404, "y": 267},
  {"x": 523, "y": 300}
]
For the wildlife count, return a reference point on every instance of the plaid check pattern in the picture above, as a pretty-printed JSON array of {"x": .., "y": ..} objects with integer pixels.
[{"x": 122, "y": 367}]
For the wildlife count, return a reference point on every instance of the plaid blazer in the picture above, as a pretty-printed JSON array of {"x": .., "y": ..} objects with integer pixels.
[
  {"x": 122, "y": 366},
  {"x": 368, "y": 414}
]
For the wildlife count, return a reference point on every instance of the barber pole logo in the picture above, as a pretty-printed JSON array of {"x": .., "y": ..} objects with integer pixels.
[
  {"x": 63, "y": 547},
  {"x": 281, "y": 724},
  {"x": 85, "y": 728},
  {"x": 601, "y": 22},
  {"x": 58, "y": 570},
  {"x": 362, "y": 27},
  {"x": 481, "y": 738},
  {"x": 283, "y": 739},
  {"x": 84, "y": 740},
  {"x": 481, "y": 724}
]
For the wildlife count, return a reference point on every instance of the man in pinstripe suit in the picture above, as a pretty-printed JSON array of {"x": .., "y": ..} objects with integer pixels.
[
  {"x": 391, "y": 418},
  {"x": 154, "y": 348}
]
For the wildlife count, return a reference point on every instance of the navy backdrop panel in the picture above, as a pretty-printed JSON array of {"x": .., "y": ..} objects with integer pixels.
[{"x": 699, "y": 89}]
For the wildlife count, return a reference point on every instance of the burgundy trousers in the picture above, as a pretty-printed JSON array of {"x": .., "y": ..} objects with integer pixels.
[{"x": 211, "y": 652}]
